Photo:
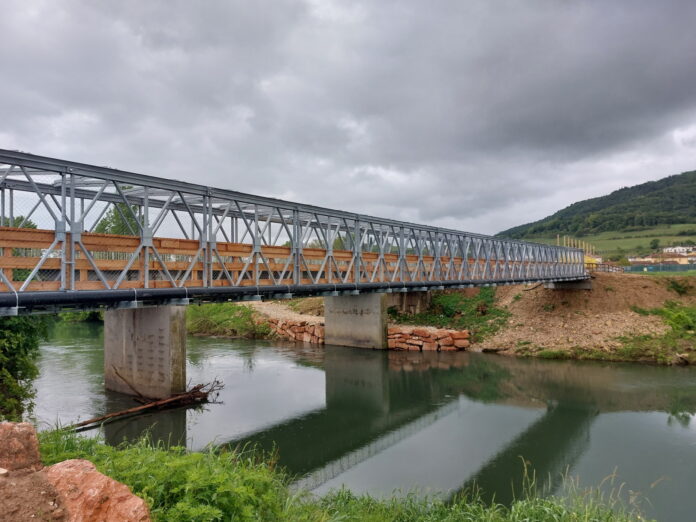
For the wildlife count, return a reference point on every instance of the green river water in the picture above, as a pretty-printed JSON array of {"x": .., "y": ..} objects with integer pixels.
[{"x": 391, "y": 422}]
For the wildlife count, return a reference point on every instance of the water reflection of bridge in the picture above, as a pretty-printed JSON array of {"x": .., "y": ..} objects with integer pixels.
[
  {"x": 380, "y": 405},
  {"x": 374, "y": 402}
]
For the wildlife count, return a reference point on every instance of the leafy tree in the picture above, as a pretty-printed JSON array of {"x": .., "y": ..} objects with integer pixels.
[
  {"x": 655, "y": 244},
  {"x": 20, "y": 274},
  {"x": 19, "y": 348},
  {"x": 119, "y": 220}
]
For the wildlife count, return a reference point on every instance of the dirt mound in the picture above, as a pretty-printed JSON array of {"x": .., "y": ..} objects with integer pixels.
[{"x": 561, "y": 319}]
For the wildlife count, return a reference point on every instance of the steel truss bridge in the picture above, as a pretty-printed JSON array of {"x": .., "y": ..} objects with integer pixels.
[{"x": 169, "y": 241}]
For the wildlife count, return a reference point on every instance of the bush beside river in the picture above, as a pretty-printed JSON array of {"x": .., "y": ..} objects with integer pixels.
[
  {"x": 240, "y": 485},
  {"x": 19, "y": 348}
]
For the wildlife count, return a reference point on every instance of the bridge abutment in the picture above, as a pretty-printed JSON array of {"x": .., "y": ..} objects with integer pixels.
[
  {"x": 584, "y": 284},
  {"x": 357, "y": 320},
  {"x": 145, "y": 351}
]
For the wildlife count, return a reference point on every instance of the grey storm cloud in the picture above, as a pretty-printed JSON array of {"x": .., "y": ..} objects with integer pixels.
[{"x": 475, "y": 115}]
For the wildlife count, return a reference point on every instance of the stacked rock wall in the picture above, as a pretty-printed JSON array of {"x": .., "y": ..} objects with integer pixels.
[
  {"x": 427, "y": 339},
  {"x": 399, "y": 337},
  {"x": 298, "y": 330}
]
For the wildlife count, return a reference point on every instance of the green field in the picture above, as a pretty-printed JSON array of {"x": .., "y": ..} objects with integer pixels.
[
  {"x": 612, "y": 243},
  {"x": 686, "y": 273}
]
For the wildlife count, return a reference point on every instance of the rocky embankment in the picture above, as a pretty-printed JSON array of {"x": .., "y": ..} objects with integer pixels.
[
  {"x": 539, "y": 319},
  {"x": 72, "y": 490}
]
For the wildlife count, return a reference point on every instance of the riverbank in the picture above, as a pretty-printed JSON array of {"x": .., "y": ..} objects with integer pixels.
[
  {"x": 624, "y": 318},
  {"x": 241, "y": 485}
]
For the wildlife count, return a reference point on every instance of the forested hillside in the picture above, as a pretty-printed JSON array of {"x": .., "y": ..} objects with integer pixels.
[{"x": 667, "y": 201}]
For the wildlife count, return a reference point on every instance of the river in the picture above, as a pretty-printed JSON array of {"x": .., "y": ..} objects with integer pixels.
[{"x": 391, "y": 422}]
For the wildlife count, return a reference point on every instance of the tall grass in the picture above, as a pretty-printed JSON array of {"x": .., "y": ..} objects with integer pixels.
[
  {"x": 240, "y": 485},
  {"x": 226, "y": 320}
]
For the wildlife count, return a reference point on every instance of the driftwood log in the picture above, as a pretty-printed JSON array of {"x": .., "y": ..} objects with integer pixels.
[{"x": 199, "y": 394}]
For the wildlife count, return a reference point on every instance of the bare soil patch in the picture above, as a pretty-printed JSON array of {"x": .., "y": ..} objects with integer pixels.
[
  {"x": 27, "y": 495},
  {"x": 564, "y": 319}
]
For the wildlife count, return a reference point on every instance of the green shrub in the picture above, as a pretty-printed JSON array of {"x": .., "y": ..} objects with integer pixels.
[
  {"x": 88, "y": 316},
  {"x": 679, "y": 287}
]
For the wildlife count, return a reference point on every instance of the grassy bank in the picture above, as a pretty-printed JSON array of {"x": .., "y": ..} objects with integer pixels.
[
  {"x": 218, "y": 485},
  {"x": 477, "y": 313},
  {"x": 226, "y": 320},
  {"x": 214, "y": 319}
]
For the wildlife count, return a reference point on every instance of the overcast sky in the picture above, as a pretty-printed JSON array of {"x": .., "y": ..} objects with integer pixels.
[{"x": 469, "y": 114}]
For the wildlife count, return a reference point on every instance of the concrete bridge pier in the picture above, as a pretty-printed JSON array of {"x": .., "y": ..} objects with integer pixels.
[
  {"x": 356, "y": 320},
  {"x": 145, "y": 351}
]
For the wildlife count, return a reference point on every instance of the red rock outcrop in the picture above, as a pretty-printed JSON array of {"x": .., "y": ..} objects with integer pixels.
[
  {"x": 72, "y": 490},
  {"x": 89, "y": 495},
  {"x": 19, "y": 447}
]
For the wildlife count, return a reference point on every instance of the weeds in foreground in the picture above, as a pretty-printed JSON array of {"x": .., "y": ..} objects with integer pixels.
[
  {"x": 236, "y": 485},
  {"x": 227, "y": 320},
  {"x": 455, "y": 310}
]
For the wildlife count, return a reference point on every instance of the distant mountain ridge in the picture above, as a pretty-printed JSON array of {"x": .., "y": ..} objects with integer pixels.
[{"x": 668, "y": 201}]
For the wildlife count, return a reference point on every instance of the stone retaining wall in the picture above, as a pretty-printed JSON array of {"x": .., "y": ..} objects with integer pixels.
[
  {"x": 399, "y": 337},
  {"x": 427, "y": 339},
  {"x": 298, "y": 330}
]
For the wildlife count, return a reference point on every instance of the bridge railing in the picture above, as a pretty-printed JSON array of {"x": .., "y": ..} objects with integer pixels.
[{"x": 95, "y": 228}]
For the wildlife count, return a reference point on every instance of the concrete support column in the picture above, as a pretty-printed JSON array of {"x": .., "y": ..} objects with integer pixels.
[
  {"x": 356, "y": 320},
  {"x": 145, "y": 349}
]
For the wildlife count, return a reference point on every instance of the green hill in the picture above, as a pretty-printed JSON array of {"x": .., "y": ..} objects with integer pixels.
[{"x": 654, "y": 204}]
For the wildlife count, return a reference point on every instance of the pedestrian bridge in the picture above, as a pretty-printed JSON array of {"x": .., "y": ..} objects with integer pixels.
[
  {"x": 75, "y": 236},
  {"x": 79, "y": 236}
]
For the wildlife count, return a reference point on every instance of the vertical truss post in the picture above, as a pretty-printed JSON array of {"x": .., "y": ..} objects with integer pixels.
[
  {"x": 437, "y": 254},
  {"x": 61, "y": 230},
  {"x": 146, "y": 237},
  {"x": 357, "y": 250},
  {"x": 257, "y": 245},
  {"x": 296, "y": 244},
  {"x": 208, "y": 238},
  {"x": 402, "y": 254},
  {"x": 75, "y": 235}
]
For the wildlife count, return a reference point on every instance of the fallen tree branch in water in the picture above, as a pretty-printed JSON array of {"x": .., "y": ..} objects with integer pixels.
[{"x": 199, "y": 394}]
